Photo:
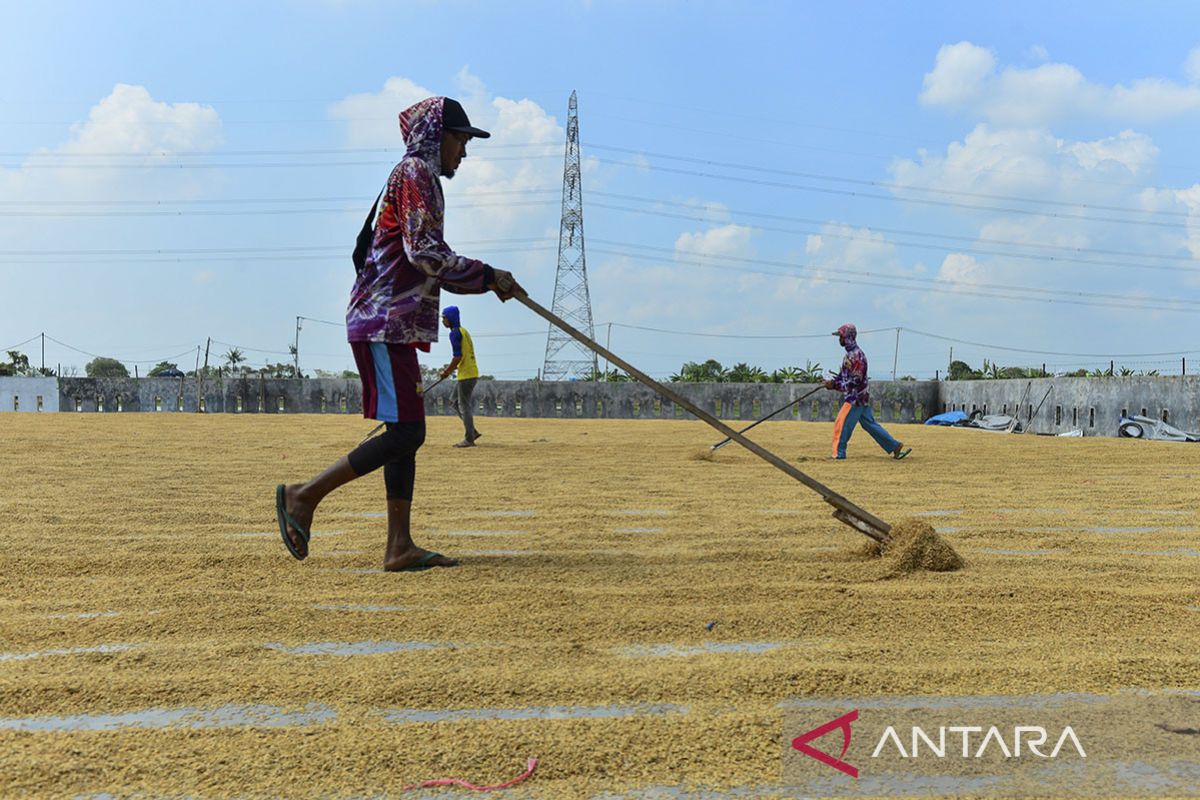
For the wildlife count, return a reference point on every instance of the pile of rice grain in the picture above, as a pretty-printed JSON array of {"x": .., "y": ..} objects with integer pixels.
[{"x": 916, "y": 547}]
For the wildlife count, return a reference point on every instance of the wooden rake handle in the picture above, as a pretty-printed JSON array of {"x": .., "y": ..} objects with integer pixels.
[
  {"x": 845, "y": 511},
  {"x": 774, "y": 413}
]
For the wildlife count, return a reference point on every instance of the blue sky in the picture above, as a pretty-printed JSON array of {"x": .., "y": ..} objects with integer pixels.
[{"x": 1019, "y": 175}]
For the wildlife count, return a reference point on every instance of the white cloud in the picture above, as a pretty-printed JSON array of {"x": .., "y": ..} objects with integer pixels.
[
  {"x": 1187, "y": 201},
  {"x": 840, "y": 246},
  {"x": 1037, "y": 53},
  {"x": 1132, "y": 151},
  {"x": 959, "y": 74},
  {"x": 496, "y": 183},
  {"x": 726, "y": 240},
  {"x": 843, "y": 244},
  {"x": 129, "y": 120},
  {"x": 113, "y": 155},
  {"x": 473, "y": 91},
  {"x": 373, "y": 119},
  {"x": 965, "y": 78},
  {"x": 960, "y": 268},
  {"x": 1054, "y": 213},
  {"x": 128, "y": 128},
  {"x": 1192, "y": 65},
  {"x": 1030, "y": 163},
  {"x": 644, "y": 284}
]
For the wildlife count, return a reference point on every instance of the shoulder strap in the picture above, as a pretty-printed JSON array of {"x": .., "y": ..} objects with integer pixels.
[{"x": 363, "y": 243}]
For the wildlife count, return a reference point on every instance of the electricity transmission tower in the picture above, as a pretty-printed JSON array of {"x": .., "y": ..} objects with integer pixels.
[{"x": 566, "y": 358}]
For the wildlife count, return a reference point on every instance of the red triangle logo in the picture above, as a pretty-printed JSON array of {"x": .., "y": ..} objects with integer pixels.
[{"x": 801, "y": 743}]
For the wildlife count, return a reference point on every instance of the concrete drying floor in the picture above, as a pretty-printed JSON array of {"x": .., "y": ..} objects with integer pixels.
[{"x": 156, "y": 639}]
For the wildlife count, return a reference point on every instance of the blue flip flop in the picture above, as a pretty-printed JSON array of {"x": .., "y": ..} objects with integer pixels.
[{"x": 285, "y": 519}]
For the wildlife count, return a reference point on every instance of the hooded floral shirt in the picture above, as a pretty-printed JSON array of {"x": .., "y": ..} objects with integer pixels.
[
  {"x": 852, "y": 380},
  {"x": 397, "y": 294}
]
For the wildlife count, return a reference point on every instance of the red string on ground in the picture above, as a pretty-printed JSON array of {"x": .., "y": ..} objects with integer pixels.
[{"x": 530, "y": 766}]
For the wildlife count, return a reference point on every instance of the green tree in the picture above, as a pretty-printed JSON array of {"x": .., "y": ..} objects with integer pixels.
[
  {"x": 280, "y": 370},
  {"x": 234, "y": 356},
  {"x": 787, "y": 375},
  {"x": 710, "y": 371},
  {"x": 744, "y": 373},
  {"x": 160, "y": 368},
  {"x": 18, "y": 364},
  {"x": 961, "y": 371},
  {"x": 101, "y": 367},
  {"x": 607, "y": 376},
  {"x": 811, "y": 373}
]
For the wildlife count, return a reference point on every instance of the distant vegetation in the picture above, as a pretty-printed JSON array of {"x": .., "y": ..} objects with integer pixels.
[
  {"x": 990, "y": 371},
  {"x": 18, "y": 365}
]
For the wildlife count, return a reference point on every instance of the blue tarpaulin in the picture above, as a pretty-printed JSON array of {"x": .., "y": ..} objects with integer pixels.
[{"x": 949, "y": 418}]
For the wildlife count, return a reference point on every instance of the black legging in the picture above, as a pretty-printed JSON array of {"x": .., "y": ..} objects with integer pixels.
[{"x": 396, "y": 451}]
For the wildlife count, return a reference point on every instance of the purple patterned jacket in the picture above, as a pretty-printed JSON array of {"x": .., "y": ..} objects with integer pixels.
[
  {"x": 852, "y": 380},
  {"x": 397, "y": 295}
]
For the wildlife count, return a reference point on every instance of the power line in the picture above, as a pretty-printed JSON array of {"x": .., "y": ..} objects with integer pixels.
[
  {"x": 825, "y": 190},
  {"x": 917, "y": 245},
  {"x": 924, "y": 284},
  {"x": 1047, "y": 352},
  {"x": 324, "y": 322},
  {"x": 251, "y": 200},
  {"x": 735, "y": 335},
  {"x": 884, "y": 184},
  {"x": 254, "y": 349},
  {"x": 96, "y": 355},
  {"x": 841, "y": 270},
  {"x": 252, "y": 164},
  {"x": 739, "y": 212},
  {"x": 898, "y": 231},
  {"x": 241, "y": 250},
  {"x": 224, "y": 153},
  {"x": 245, "y": 212},
  {"x": 793, "y": 144},
  {"x": 871, "y": 196},
  {"x": 241, "y": 259},
  {"x": 686, "y": 159},
  {"x": 891, "y": 329},
  {"x": 22, "y": 344},
  {"x": 658, "y": 104}
]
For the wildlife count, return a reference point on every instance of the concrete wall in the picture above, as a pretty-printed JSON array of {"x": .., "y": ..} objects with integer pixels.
[
  {"x": 250, "y": 395},
  {"x": 1092, "y": 404},
  {"x": 906, "y": 401},
  {"x": 28, "y": 394},
  {"x": 901, "y": 401}
]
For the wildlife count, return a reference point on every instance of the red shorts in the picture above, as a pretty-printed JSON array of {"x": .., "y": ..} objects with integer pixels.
[{"x": 391, "y": 381}]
